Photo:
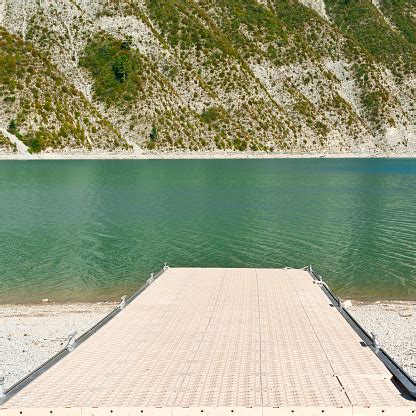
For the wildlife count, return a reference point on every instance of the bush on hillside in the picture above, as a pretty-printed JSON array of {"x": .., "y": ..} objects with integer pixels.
[{"x": 116, "y": 68}]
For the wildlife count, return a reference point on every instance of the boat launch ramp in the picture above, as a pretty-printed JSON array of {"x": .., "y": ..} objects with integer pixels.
[{"x": 221, "y": 342}]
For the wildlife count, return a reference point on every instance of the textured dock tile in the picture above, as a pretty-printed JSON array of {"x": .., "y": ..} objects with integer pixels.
[
  {"x": 367, "y": 391},
  {"x": 221, "y": 342},
  {"x": 384, "y": 411}
]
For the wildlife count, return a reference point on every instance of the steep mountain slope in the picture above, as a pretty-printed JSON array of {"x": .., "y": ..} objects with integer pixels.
[
  {"x": 42, "y": 109},
  {"x": 6, "y": 146},
  {"x": 402, "y": 15},
  {"x": 229, "y": 74}
]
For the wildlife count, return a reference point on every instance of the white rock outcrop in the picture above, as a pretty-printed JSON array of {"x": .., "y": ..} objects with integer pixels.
[{"x": 317, "y": 5}]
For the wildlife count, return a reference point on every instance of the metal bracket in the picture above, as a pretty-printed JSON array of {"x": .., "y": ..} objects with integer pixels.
[
  {"x": 150, "y": 279},
  {"x": 122, "y": 304},
  {"x": 71, "y": 341},
  {"x": 376, "y": 342},
  {"x": 2, "y": 391}
]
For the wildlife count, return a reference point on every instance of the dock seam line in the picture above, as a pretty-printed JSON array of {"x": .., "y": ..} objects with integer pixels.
[
  {"x": 261, "y": 344},
  {"x": 316, "y": 335},
  {"x": 209, "y": 320},
  {"x": 403, "y": 378}
]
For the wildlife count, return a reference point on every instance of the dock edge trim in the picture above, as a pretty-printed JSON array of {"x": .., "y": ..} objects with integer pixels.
[
  {"x": 15, "y": 388},
  {"x": 401, "y": 376}
]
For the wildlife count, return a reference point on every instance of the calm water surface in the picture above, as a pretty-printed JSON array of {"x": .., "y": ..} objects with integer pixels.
[{"x": 94, "y": 230}]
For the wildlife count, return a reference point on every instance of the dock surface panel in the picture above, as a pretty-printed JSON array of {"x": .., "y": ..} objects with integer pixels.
[{"x": 221, "y": 338}]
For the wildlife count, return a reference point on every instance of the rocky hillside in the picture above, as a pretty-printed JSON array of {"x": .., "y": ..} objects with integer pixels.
[{"x": 209, "y": 74}]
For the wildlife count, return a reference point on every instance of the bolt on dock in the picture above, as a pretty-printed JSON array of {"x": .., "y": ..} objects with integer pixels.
[{"x": 258, "y": 342}]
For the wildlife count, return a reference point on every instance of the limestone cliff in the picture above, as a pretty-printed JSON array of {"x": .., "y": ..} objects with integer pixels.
[{"x": 205, "y": 74}]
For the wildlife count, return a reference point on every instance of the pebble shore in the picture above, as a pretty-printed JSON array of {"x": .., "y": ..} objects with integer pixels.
[
  {"x": 30, "y": 334},
  {"x": 394, "y": 324}
]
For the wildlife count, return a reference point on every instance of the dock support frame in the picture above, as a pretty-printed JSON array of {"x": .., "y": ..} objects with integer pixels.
[
  {"x": 403, "y": 379},
  {"x": 74, "y": 343}
]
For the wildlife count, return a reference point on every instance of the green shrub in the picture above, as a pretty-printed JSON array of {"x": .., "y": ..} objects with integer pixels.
[
  {"x": 121, "y": 67},
  {"x": 362, "y": 21},
  {"x": 185, "y": 25},
  {"x": 211, "y": 114},
  {"x": 154, "y": 135},
  {"x": 34, "y": 142},
  {"x": 116, "y": 68},
  {"x": 402, "y": 14},
  {"x": 6, "y": 144},
  {"x": 12, "y": 128}
]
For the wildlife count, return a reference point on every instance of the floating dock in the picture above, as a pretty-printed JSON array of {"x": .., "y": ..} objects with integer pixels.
[{"x": 259, "y": 342}]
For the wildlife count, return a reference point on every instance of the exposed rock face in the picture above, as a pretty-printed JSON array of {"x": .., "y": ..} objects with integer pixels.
[
  {"x": 317, "y": 5},
  {"x": 10, "y": 143},
  {"x": 259, "y": 75}
]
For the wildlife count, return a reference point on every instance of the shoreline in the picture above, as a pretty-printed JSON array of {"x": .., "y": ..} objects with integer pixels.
[
  {"x": 31, "y": 333},
  {"x": 107, "y": 303},
  {"x": 183, "y": 155}
]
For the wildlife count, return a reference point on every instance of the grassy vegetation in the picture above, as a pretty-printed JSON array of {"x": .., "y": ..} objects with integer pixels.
[
  {"x": 294, "y": 14},
  {"x": 362, "y": 21},
  {"x": 6, "y": 145},
  {"x": 44, "y": 110},
  {"x": 375, "y": 99},
  {"x": 12, "y": 128},
  {"x": 402, "y": 14},
  {"x": 247, "y": 24},
  {"x": 116, "y": 68},
  {"x": 310, "y": 32},
  {"x": 230, "y": 74},
  {"x": 186, "y": 26},
  {"x": 211, "y": 114},
  {"x": 371, "y": 42}
]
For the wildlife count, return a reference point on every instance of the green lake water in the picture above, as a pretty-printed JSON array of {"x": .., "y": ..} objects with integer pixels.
[{"x": 94, "y": 230}]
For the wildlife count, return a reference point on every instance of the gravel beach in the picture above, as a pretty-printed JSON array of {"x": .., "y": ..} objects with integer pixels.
[
  {"x": 394, "y": 323},
  {"x": 30, "y": 334},
  {"x": 202, "y": 154}
]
